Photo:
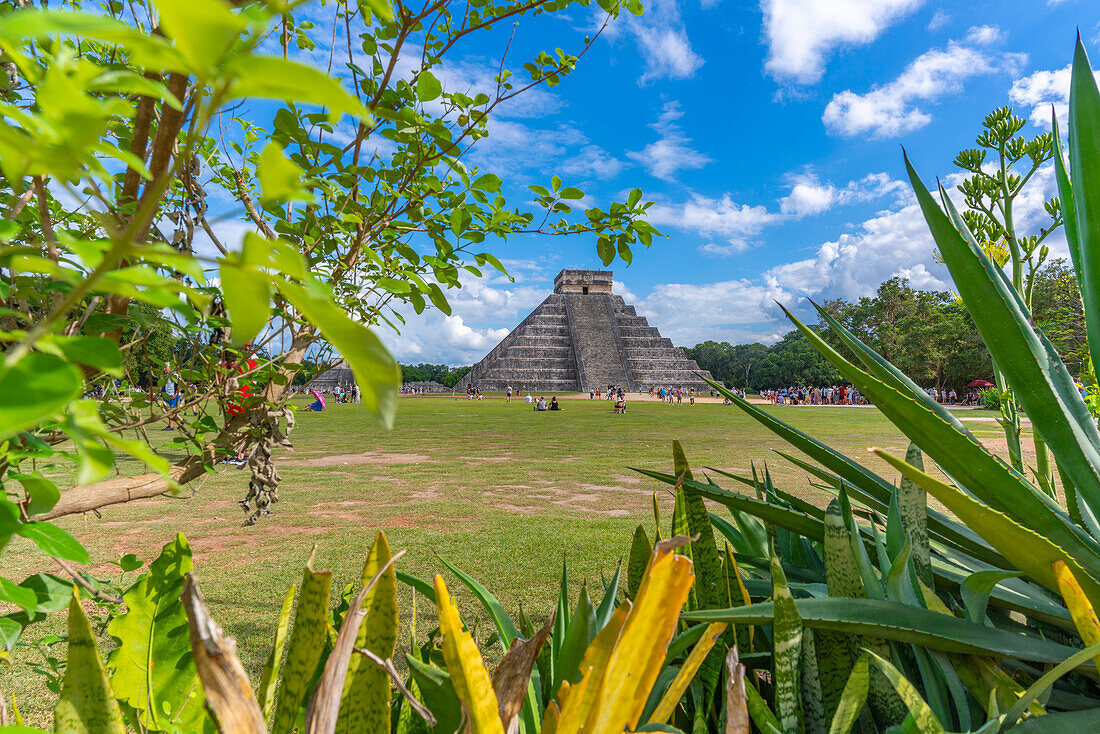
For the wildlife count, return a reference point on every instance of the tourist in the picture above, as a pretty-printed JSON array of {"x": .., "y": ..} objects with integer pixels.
[
  {"x": 318, "y": 404},
  {"x": 508, "y": 395},
  {"x": 691, "y": 395},
  {"x": 528, "y": 399},
  {"x": 554, "y": 403},
  {"x": 591, "y": 394},
  {"x": 620, "y": 404},
  {"x": 171, "y": 396},
  {"x": 541, "y": 404}
]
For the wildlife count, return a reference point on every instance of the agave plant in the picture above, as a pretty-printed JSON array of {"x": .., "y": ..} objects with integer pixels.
[{"x": 969, "y": 620}]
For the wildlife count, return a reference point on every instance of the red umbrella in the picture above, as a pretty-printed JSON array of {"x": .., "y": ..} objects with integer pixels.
[{"x": 980, "y": 383}]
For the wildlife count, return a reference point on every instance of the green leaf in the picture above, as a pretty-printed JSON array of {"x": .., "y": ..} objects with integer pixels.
[
  {"x": 925, "y": 719},
  {"x": 34, "y": 388},
  {"x": 280, "y": 178},
  {"x": 247, "y": 297},
  {"x": 269, "y": 679},
  {"x": 976, "y": 590},
  {"x": 704, "y": 551},
  {"x": 275, "y": 78},
  {"x": 439, "y": 695},
  {"x": 605, "y": 250},
  {"x": 305, "y": 651},
  {"x": 428, "y": 88},
  {"x": 99, "y": 352},
  {"x": 582, "y": 630},
  {"x": 203, "y": 30},
  {"x": 853, "y": 699},
  {"x": 787, "y": 652},
  {"x": 42, "y": 494},
  {"x": 152, "y": 669},
  {"x": 375, "y": 369},
  {"x": 640, "y": 550},
  {"x": 913, "y": 508},
  {"x": 487, "y": 182},
  {"x": 901, "y": 623},
  {"x": 571, "y": 192},
  {"x": 365, "y": 703},
  {"x": 1027, "y": 550},
  {"x": 380, "y": 8},
  {"x": 1084, "y": 206},
  {"x": 1036, "y": 374},
  {"x": 87, "y": 704},
  {"x": 53, "y": 541}
]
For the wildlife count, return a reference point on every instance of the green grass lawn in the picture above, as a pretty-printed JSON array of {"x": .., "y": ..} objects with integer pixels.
[{"x": 505, "y": 493}]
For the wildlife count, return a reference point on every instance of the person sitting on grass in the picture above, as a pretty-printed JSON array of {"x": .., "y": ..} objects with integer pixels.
[
  {"x": 318, "y": 404},
  {"x": 620, "y": 404},
  {"x": 541, "y": 404},
  {"x": 554, "y": 403}
]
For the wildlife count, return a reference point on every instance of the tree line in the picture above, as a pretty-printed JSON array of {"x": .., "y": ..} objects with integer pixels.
[
  {"x": 926, "y": 334},
  {"x": 441, "y": 373}
]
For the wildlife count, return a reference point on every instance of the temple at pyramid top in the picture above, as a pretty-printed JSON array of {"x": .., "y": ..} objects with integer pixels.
[{"x": 584, "y": 336}]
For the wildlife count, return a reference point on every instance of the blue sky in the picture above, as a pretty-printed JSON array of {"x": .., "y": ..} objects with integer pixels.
[{"x": 769, "y": 135}]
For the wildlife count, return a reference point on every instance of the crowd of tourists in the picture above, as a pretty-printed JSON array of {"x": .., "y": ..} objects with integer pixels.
[{"x": 828, "y": 395}]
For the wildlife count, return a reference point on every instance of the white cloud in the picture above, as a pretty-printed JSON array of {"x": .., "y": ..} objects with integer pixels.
[
  {"x": 983, "y": 35},
  {"x": 801, "y": 33},
  {"x": 1043, "y": 89},
  {"x": 732, "y": 310},
  {"x": 672, "y": 151},
  {"x": 662, "y": 40},
  {"x": 891, "y": 110},
  {"x": 940, "y": 19},
  {"x": 810, "y": 196},
  {"x": 592, "y": 161},
  {"x": 708, "y": 216}
]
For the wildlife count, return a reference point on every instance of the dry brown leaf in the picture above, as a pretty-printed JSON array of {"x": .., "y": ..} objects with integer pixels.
[{"x": 511, "y": 677}]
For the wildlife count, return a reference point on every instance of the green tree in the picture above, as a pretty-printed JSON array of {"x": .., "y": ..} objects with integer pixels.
[{"x": 794, "y": 361}]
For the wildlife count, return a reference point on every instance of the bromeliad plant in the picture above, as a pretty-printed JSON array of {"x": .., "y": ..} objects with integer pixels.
[{"x": 973, "y": 620}]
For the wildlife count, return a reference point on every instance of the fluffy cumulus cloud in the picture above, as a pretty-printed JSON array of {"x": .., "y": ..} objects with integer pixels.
[
  {"x": 482, "y": 312},
  {"x": 940, "y": 19},
  {"x": 732, "y": 310},
  {"x": 737, "y": 224},
  {"x": 892, "y": 109},
  {"x": 809, "y": 195},
  {"x": 802, "y": 33},
  {"x": 671, "y": 152},
  {"x": 1039, "y": 91}
]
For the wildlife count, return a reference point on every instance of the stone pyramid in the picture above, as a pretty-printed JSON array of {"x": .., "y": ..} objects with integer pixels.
[{"x": 584, "y": 336}]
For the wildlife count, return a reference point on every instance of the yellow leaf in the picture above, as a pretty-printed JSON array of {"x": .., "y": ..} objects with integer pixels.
[
  {"x": 574, "y": 704},
  {"x": 679, "y": 684},
  {"x": 639, "y": 653},
  {"x": 1084, "y": 616},
  {"x": 468, "y": 674}
]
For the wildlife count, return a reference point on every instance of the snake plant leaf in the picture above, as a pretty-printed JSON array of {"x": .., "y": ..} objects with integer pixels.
[
  {"x": 853, "y": 699},
  {"x": 770, "y": 513},
  {"x": 1084, "y": 162},
  {"x": 1084, "y": 615},
  {"x": 610, "y": 597},
  {"x": 1060, "y": 723},
  {"x": 577, "y": 704},
  {"x": 309, "y": 638},
  {"x": 704, "y": 550},
  {"x": 580, "y": 634},
  {"x": 1039, "y": 380},
  {"x": 985, "y": 475},
  {"x": 913, "y": 507},
  {"x": 623, "y": 684},
  {"x": 1026, "y": 550},
  {"x": 468, "y": 674},
  {"x": 365, "y": 701},
  {"x": 640, "y": 550},
  {"x": 152, "y": 669},
  {"x": 87, "y": 704},
  {"x": 901, "y": 623},
  {"x": 926, "y": 721},
  {"x": 976, "y": 590},
  {"x": 505, "y": 627},
  {"x": 265, "y": 696},
  {"x": 748, "y": 538},
  {"x": 672, "y": 695},
  {"x": 813, "y": 707},
  {"x": 438, "y": 694},
  {"x": 786, "y": 652}
]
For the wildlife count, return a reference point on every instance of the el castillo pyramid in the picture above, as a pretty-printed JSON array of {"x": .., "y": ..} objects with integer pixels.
[{"x": 584, "y": 336}]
